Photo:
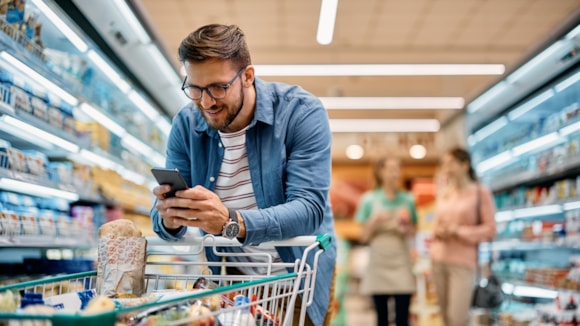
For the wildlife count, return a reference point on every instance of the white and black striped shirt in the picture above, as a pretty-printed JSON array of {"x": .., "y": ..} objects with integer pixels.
[{"x": 234, "y": 187}]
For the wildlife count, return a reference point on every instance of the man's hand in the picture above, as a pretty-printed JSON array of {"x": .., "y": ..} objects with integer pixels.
[{"x": 196, "y": 207}]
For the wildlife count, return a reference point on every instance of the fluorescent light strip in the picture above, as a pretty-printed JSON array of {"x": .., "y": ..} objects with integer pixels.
[
  {"x": 326, "y": 21},
  {"x": 26, "y": 136},
  {"x": 521, "y": 72},
  {"x": 163, "y": 125},
  {"x": 99, "y": 160},
  {"x": 490, "y": 129},
  {"x": 163, "y": 64},
  {"x": 537, "y": 144},
  {"x": 570, "y": 129},
  {"x": 36, "y": 77},
  {"x": 494, "y": 162},
  {"x": 504, "y": 216},
  {"x": 337, "y": 103},
  {"x": 103, "y": 119},
  {"x": 507, "y": 288},
  {"x": 109, "y": 71},
  {"x": 534, "y": 292},
  {"x": 484, "y": 99},
  {"x": 144, "y": 106},
  {"x": 36, "y": 190},
  {"x": 64, "y": 144},
  {"x": 537, "y": 211},
  {"x": 157, "y": 159},
  {"x": 471, "y": 140},
  {"x": 135, "y": 145},
  {"x": 572, "y": 205},
  {"x": 531, "y": 104},
  {"x": 60, "y": 25},
  {"x": 131, "y": 176},
  {"x": 131, "y": 18},
  {"x": 320, "y": 70},
  {"x": 384, "y": 125},
  {"x": 572, "y": 34},
  {"x": 568, "y": 82}
]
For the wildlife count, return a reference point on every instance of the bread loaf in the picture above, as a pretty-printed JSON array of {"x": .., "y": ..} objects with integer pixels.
[{"x": 121, "y": 228}]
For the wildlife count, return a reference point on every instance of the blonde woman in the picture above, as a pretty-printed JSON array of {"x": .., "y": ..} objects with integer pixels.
[
  {"x": 388, "y": 216},
  {"x": 464, "y": 217}
]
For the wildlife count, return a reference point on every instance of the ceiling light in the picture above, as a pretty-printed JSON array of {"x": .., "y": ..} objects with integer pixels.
[
  {"x": 109, "y": 71},
  {"x": 103, "y": 119},
  {"x": 326, "y": 21},
  {"x": 61, "y": 25},
  {"x": 380, "y": 70},
  {"x": 418, "y": 151},
  {"x": 39, "y": 79},
  {"x": 531, "y": 104},
  {"x": 335, "y": 103},
  {"x": 144, "y": 106},
  {"x": 355, "y": 152},
  {"x": 384, "y": 125},
  {"x": 489, "y": 95},
  {"x": 36, "y": 190},
  {"x": 135, "y": 24},
  {"x": 55, "y": 140}
]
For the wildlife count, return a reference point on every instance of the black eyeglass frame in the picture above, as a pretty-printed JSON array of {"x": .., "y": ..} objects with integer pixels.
[{"x": 185, "y": 88}]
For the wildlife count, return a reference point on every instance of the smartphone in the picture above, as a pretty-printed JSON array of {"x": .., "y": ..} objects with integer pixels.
[{"x": 170, "y": 177}]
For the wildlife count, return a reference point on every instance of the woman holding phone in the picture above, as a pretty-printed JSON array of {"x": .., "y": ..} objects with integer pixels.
[{"x": 388, "y": 217}]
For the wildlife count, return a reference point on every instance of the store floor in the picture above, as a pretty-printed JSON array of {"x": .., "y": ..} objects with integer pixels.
[{"x": 359, "y": 311}]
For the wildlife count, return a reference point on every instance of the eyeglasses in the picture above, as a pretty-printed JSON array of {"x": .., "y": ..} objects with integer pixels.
[{"x": 217, "y": 92}]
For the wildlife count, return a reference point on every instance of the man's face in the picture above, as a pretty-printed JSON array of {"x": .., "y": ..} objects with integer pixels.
[{"x": 219, "y": 113}]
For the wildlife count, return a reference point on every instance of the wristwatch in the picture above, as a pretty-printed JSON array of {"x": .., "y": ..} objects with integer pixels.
[{"x": 232, "y": 227}]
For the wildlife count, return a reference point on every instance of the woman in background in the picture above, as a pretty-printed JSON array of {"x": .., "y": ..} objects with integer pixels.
[
  {"x": 464, "y": 217},
  {"x": 388, "y": 216}
]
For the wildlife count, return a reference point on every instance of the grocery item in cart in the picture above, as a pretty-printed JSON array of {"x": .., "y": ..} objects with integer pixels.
[{"x": 121, "y": 260}]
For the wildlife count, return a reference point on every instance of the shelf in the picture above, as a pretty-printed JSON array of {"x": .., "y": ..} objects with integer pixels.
[
  {"x": 549, "y": 210},
  {"x": 556, "y": 171},
  {"x": 47, "y": 242},
  {"x": 522, "y": 245},
  {"x": 520, "y": 288}
]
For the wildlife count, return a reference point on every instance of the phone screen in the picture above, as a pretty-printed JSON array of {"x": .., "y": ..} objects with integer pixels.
[{"x": 170, "y": 177}]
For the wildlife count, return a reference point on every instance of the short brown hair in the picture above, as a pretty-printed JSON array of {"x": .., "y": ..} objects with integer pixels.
[{"x": 215, "y": 41}]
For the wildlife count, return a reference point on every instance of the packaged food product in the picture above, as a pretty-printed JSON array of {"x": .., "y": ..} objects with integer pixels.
[{"x": 121, "y": 259}]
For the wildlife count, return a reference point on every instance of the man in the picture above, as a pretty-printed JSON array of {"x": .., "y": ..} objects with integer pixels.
[{"x": 256, "y": 154}]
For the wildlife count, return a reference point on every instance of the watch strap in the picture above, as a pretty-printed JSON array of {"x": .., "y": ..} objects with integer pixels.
[{"x": 233, "y": 215}]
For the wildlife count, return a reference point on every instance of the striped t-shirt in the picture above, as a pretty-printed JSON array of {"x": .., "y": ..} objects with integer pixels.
[{"x": 234, "y": 187}]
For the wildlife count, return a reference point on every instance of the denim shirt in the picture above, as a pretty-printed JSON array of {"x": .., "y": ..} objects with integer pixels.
[{"x": 288, "y": 143}]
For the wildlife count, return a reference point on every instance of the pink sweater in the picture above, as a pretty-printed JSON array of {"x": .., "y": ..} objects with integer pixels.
[{"x": 459, "y": 209}]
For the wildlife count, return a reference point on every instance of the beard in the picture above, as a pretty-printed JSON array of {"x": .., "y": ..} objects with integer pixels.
[{"x": 231, "y": 114}]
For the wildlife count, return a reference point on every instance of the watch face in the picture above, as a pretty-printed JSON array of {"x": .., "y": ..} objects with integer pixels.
[{"x": 231, "y": 230}]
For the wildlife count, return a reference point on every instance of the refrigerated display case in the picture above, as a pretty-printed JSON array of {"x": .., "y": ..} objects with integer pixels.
[{"x": 524, "y": 137}]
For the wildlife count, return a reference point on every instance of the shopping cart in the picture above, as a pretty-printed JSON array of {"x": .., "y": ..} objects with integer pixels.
[{"x": 266, "y": 299}]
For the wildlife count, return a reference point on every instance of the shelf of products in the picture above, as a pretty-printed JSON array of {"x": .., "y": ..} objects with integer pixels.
[
  {"x": 77, "y": 140},
  {"x": 525, "y": 147}
]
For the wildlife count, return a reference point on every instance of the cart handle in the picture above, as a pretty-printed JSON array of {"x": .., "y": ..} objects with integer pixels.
[{"x": 189, "y": 239}]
